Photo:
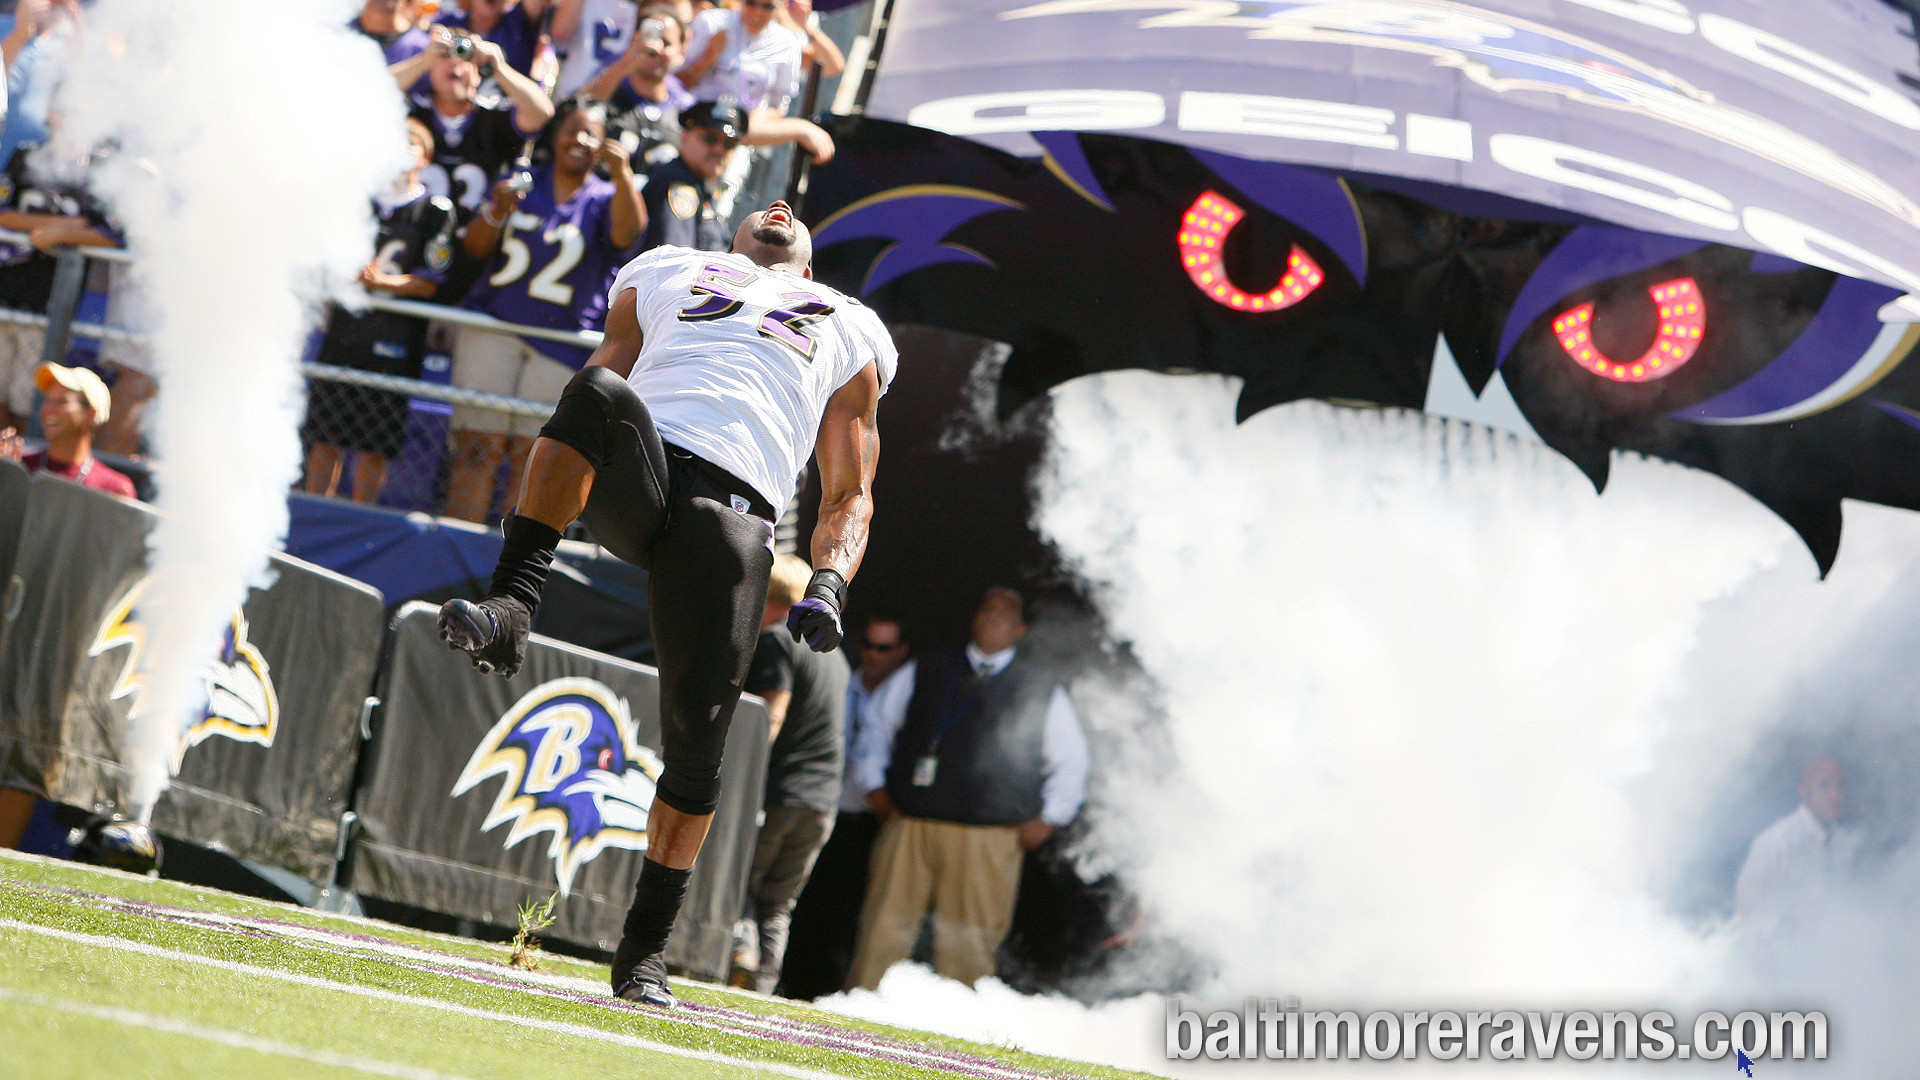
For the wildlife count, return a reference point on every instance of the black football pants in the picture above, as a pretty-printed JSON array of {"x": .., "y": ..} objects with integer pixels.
[{"x": 673, "y": 514}]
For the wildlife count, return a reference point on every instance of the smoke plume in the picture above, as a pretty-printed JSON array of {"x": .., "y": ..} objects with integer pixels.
[
  {"x": 1434, "y": 726},
  {"x": 248, "y": 139}
]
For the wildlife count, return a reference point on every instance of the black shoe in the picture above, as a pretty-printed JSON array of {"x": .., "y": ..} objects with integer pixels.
[
  {"x": 120, "y": 844},
  {"x": 645, "y": 982},
  {"x": 493, "y": 632}
]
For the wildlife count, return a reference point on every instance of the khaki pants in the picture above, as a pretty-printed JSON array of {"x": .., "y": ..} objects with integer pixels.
[{"x": 969, "y": 875}]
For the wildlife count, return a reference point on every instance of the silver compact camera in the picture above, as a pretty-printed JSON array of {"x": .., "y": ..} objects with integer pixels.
[
  {"x": 520, "y": 182},
  {"x": 461, "y": 47},
  {"x": 653, "y": 33}
]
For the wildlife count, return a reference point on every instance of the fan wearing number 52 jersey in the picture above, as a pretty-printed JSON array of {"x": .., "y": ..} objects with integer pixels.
[
  {"x": 677, "y": 444},
  {"x": 553, "y": 251}
]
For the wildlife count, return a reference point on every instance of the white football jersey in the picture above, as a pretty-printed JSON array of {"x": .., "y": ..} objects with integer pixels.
[{"x": 739, "y": 360}]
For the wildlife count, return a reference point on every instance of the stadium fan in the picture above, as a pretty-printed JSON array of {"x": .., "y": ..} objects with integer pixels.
[
  {"x": 35, "y": 51},
  {"x": 806, "y": 696},
  {"x": 682, "y": 195},
  {"x": 514, "y": 25},
  {"x": 816, "y": 48},
  {"x": 74, "y": 403},
  {"x": 473, "y": 142},
  {"x": 746, "y": 55},
  {"x": 413, "y": 250},
  {"x": 394, "y": 26},
  {"x": 645, "y": 97},
  {"x": 718, "y": 374},
  {"x": 556, "y": 236},
  {"x": 52, "y": 212},
  {"x": 590, "y": 34}
]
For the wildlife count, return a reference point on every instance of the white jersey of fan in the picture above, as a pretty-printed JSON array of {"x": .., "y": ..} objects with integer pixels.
[{"x": 739, "y": 360}]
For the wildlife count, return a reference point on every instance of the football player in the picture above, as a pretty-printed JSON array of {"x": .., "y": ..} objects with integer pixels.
[
  {"x": 412, "y": 253},
  {"x": 676, "y": 444},
  {"x": 554, "y": 250}
]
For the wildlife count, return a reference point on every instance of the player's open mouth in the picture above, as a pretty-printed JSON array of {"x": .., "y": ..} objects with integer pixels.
[{"x": 777, "y": 214}]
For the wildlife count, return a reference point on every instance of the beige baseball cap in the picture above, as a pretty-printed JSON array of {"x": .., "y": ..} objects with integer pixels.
[{"x": 81, "y": 379}]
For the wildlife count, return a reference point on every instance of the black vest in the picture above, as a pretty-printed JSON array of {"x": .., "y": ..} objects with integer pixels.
[{"x": 992, "y": 755}]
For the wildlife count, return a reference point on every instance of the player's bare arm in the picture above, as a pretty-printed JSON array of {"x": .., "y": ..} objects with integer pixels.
[
  {"x": 848, "y": 452},
  {"x": 620, "y": 349}
]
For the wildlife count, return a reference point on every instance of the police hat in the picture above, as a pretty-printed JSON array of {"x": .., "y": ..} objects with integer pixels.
[{"x": 724, "y": 117}]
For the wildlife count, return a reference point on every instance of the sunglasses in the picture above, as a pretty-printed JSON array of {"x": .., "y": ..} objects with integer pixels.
[
  {"x": 878, "y": 646},
  {"x": 714, "y": 138}
]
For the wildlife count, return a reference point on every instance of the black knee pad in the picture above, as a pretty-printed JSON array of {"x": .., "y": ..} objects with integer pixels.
[
  {"x": 593, "y": 402},
  {"x": 693, "y": 797}
]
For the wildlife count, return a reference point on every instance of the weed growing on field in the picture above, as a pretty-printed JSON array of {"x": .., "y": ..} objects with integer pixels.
[{"x": 533, "y": 919}]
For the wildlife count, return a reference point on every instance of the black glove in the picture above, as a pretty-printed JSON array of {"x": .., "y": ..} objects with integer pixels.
[
  {"x": 493, "y": 633},
  {"x": 817, "y": 616}
]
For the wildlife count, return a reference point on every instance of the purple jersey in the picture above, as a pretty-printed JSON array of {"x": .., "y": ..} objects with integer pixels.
[{"x": 555, "y": 264}]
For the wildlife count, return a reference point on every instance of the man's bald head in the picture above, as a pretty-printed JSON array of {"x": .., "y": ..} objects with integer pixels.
[
  {"x": 776, "y": 239},
  {"x": 1823, "y": 789}
]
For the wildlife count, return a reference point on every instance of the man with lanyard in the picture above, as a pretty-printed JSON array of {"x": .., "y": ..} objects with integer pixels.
[
  {"x": 680, "y": 194},
  {"x": 988, "y": 760},
  {"x": 675, "y": 444}
]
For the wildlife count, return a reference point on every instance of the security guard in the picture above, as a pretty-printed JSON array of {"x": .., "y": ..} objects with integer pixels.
[{"x": 680, "y": 193}]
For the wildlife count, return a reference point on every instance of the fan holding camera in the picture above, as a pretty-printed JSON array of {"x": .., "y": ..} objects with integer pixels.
[
  {"x": 514, "y": 25},
  {"x": 475, "y": 142},
  {"x": 645, "y": 96}
]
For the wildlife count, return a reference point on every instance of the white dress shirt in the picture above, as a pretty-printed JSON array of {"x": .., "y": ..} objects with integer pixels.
[
  {"x": 866, "y": 710},
  {"x": 1790, "y": 863},
  {"x": 1065, "y": 745}
]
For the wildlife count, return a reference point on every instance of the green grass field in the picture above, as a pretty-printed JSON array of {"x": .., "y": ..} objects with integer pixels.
[{"x": 110, "y": 975}]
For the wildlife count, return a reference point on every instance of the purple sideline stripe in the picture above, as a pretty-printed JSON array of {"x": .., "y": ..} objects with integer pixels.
[
  {"x": 1588, "y": 254},
  {"x": 711, "y": 1017}
]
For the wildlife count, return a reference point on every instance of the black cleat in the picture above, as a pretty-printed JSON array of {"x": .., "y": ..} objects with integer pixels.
[
  {"x": 645, "y": 982},
  {"x": 120, "y": 844},
  {"x": 493, "y": 632}
]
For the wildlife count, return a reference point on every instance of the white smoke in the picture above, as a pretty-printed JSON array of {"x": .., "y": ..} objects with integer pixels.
[
  {"x": 1444, "y": 729},
  {"x": 250, "y": 139}
]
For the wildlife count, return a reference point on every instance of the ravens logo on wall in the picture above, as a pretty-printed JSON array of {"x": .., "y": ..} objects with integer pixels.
[
  {"x": 572, "y": 766},
  {"x": 237, "y": 700}
]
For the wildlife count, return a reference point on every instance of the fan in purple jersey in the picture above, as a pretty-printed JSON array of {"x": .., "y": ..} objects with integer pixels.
[
  {"x": 514, "y": 25},
  {"x": 392, "y": 25},
  {"x": 553, "y": 254}
]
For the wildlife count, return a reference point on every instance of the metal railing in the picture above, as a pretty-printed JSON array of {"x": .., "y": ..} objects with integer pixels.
[{"x": 420, "y": 388}]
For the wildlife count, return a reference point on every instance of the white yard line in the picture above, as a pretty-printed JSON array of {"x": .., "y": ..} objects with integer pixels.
[
  {"x": 223, "y": 1037},
  {"x": 580, "y": 1031}
]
